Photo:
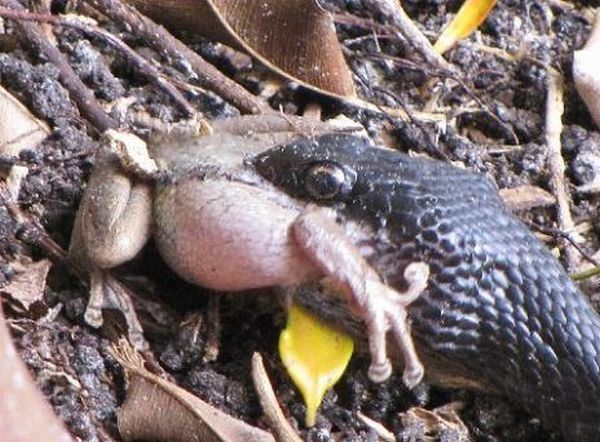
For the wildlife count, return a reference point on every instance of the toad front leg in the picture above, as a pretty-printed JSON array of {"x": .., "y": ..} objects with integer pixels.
[
  {"x": 382, "y": 307},
  {"x": 112, "y": 225}
]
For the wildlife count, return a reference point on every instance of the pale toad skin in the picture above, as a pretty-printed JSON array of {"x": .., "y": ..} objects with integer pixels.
[{"x": 220, "y": 225}]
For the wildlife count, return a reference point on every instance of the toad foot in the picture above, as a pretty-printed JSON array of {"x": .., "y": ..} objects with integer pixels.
[
  {"x": 386, "y": 310},
  {"x": 382, "y": 307},
  {"x": 108, "y": 293}
]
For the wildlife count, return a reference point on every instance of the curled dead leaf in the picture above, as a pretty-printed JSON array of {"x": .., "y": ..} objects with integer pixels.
[
  {"x": 438, "y": 421},
  {"x": 295, "y": 38},
  {"x": 19, "y": 129},
  {"x": 24, "y": 414},
  {"x": 28, "y": 285},
  {"x": 156, "y": 409}
]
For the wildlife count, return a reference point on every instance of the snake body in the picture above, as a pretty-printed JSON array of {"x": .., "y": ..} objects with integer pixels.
[{"x": 498, "y": 304}]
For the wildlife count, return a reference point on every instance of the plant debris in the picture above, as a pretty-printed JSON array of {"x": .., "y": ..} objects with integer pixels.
[
  {"x": 160, "y": 410},
  {"x": 313, "y": 57},
  {"x": 19, "y": 129},
  {"x": 27, "y": 286}
]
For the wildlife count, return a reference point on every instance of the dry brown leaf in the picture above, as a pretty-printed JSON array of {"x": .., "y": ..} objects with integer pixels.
[
  {"x": 24, "y": 413},
  {"x": 156, "y": 409},
  {"x": 526, "y": 197},
  {"x": 437, "y": 421},
  {"x": 295, "y": 38},
  {"x": 19, "y": 129},
  {"x": 28, "y": 285}
]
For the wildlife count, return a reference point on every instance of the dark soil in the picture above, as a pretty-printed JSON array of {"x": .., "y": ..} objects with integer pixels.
[{"x": 504, "y": 139}]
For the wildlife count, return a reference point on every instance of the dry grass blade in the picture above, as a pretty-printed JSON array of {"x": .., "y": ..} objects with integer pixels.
[
  {"x": 156, "y": 409},
  {"x": 295, "y": 38}
]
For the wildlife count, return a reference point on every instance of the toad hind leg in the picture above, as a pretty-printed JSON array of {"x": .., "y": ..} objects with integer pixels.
[{"x": 382, "y": 307}]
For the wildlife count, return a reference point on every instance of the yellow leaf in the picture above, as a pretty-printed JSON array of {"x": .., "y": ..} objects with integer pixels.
[
  {"x": 471, "y": 14},
  {"x": 314, "y": 355}
]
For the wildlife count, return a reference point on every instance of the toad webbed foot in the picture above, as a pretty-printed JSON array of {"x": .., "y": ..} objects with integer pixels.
[
  {"x": 382, "y": 307},
  {"x": 385, "y": 310},
  {"x": 106, "y": 292}
]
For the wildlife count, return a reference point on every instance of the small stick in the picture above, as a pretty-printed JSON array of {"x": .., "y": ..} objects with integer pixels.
[
  {"x": 556, "y": 163},
  {"x": 585, "y": 274},
  {"x": 144, "y": 67},
  {"x": 392, "y": 10},
  {"x": 31, "y": 232},
  {"x": 364, "y": 23},
  {"x": 566, "y": 236},
  {"x": 86, "y": 102},
  {"x": 268, "y": 401},
  {"x": 159, "y": 38}
]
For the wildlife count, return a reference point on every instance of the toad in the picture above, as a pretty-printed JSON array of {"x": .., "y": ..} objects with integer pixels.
[{"x": 220, "y": 224}]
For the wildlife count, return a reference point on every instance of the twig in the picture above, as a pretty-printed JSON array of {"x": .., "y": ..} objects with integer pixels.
[
  {"x": 144, "y": 67},
  {"x": 585, "y": 274},
  {"x": 556, "y": 163},
  {"x": 452, "y": 75},
  {"x": 568, "y": 237},
  {"x": 159, "y": 38},
  {"x": 364, "y": 23},
  {"x": 31, "y": 232},
  {"x": 268, "y": 401},
  {"x": 86, "y": 102},
  {"x": 392, "y": 10},
  {"x": 432, "y": 147},
  {"x": 560, "y": 4}
]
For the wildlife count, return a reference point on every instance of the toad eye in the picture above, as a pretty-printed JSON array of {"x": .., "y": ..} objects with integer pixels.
[{"x": 329, "y": 180}]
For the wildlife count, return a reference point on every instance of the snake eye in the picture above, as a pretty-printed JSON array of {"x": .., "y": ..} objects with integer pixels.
[{"x": 328, "y": 180}]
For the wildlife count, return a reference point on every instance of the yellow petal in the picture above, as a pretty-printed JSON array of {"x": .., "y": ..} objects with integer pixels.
[
  {"x": 471, "y": 14},
  {"x": 314, "y": 355}
]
